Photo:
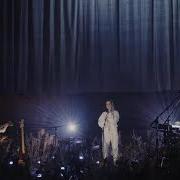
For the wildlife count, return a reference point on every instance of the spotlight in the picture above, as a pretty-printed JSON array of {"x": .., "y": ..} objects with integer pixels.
[
  {"x": 176, "y": 124},
  {"x": 78, "y": 141},
  {"x": 62, "y": 168},
  {"x": 81, "y": 157},
  {"x": 62, "y": 175},
  {"x": 72, "y": 127},
  {"x": 97, "y": 162},
  {"x": 39, "y": 175},
  {"x": 53, "y": 157},
  {"x": 11, "y": 162},
  {"x": 39, "y": 162},
  {"x": 81, "y": 171}
]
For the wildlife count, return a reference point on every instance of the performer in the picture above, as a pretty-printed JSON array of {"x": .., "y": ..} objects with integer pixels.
[{"x": 108, "y": 122}]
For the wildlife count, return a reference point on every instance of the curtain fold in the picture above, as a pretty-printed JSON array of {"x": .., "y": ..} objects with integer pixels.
[{"x": 74, "y": 46}]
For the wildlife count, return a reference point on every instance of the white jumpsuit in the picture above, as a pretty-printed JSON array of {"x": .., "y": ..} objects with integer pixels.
[{"x": 108, "y": 123}]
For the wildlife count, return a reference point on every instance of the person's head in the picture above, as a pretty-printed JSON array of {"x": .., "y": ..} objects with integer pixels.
[
  {"x": 41, "y": 132},
  {"x": 109, "y": 105}
]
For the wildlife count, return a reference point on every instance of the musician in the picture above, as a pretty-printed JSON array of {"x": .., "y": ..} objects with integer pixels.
[{"x": 108, "y": 122}]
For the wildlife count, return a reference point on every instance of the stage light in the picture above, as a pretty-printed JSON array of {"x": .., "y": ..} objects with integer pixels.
[
  {"x": 176, "y": 124},
  {"x": 72, "y": 127},
  {"x": 62, "y": 168},
  {"x": 62, "y": 175},
  {"x": 81, "y": 157},
  {"x": 81, "y": 171},
  {"x": 53, "y": 157},
  {"x": 39, "y": 162},
  {"x": 11, "y": 162},
  {"x": 78, "y": 141},
  {"x": 39, "y": 175},
  {"x": 97, "y": 162}
]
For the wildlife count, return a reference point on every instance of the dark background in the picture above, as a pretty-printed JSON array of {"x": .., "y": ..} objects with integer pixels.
[{"x": 61, "y": 59}]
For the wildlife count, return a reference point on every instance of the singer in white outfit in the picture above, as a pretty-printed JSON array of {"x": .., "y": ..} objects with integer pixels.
[{"x": 108, "y": 122}]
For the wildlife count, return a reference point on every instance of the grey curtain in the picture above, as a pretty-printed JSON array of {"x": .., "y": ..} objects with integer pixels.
[{"x": 73, "y": 46}]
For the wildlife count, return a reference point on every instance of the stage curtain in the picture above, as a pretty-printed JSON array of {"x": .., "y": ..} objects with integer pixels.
[{"x": 77, "y": 46}]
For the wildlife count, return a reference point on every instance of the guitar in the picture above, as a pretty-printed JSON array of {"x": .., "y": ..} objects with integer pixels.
[{"x": 22, "y": 150}]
